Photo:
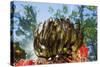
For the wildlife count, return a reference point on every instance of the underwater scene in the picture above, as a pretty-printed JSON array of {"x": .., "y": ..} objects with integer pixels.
[{"x": 52, "y": 33}]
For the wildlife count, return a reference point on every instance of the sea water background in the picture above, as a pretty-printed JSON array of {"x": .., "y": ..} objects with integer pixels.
[{"x": 42, "y": 15}]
